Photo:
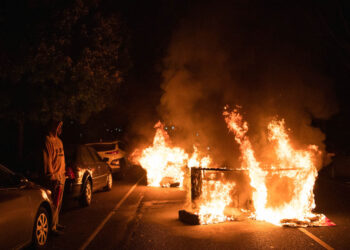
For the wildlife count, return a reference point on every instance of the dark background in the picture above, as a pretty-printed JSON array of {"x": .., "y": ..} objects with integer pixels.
[{"x": 317, "y": 31}]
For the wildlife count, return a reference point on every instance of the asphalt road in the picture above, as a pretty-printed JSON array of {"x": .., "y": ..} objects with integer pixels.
[{"x": 139, "y": 217}]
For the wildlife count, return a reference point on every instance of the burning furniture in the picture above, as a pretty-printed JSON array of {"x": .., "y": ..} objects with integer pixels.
[
  {"x": 294, "y": 205},
  {"x": 282, "y": 188},
  {"x": 277, "y": 188},
  {"x": 215, "y": 195}
]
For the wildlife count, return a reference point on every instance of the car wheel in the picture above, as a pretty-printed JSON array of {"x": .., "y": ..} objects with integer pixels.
[
  {"x": 109, "y": 184},
  {"x": 86, "y": 196},
  {"x": 41, "y": 228}
]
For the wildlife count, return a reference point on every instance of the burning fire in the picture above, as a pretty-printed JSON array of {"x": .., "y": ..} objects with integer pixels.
[
  {"x": 164, "y": 164},
  {"x": 295, "y": 169},
  {"x": 196, "y": 161},
  {"x": 282, "y": 190},
  {"x": 214, "y": 199}
]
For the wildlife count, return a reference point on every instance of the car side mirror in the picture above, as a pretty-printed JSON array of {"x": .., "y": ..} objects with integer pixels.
[{"x": 22, "y": 181}]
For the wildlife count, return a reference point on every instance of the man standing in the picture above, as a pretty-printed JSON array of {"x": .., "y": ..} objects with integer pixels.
[{"x": 54, "y": 169}]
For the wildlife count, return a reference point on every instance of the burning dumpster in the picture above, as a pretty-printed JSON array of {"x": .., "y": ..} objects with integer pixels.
[{"x": 215, "y": 195}]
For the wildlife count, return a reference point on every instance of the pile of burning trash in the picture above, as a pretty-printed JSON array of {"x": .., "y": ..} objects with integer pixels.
[{"x": 280, "y": 193}]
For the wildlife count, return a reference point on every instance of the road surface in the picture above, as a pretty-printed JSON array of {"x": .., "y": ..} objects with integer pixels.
[{"x": 134, "y": 216}]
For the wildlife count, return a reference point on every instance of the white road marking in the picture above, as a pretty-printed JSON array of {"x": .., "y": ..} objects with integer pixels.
[
  {"x": 98, "y": 229},
  {"x": 319, "y": 241}
]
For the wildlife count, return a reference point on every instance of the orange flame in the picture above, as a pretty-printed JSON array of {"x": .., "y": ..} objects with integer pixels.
[
  {"x": 164, "y": 164},
  {"x": 196, "y": 161},
  {"x": 214, "y": 199},
  {"x": 294, "y": 168}
]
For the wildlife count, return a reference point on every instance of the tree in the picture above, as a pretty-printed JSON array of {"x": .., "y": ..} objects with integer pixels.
[{"x": 59, "y": 59}]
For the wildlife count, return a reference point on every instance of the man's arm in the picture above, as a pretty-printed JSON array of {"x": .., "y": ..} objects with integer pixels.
[{"x": 47, "y": 156}]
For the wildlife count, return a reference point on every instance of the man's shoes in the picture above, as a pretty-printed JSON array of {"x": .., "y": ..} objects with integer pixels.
[
  {"x": 56, "y": 232},
  {"x": 60, "y": 227}
]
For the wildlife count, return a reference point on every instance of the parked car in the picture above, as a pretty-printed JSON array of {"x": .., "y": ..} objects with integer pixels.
[
  {"x": 113, "y": 153},
  {"x": 86, "y": 173},
  {"x": 25, "y": 212}
]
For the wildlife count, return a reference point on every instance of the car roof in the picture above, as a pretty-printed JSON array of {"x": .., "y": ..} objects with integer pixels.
[{"x": 104, "y": 142}]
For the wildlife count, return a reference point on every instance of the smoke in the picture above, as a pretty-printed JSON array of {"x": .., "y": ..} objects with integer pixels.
[{"x": 258, "y": 56}]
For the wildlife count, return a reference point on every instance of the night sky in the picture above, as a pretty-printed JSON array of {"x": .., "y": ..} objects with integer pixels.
[
  {"x": 288, "y": 59},
  {"x": 190, "y": 58}
]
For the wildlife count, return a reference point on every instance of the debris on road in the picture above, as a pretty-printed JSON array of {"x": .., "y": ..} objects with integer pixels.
[{"x": 188, "y": 218}]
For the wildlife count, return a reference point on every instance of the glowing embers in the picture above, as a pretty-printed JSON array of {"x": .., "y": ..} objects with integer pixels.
[
  {"x": 165, "y": 165},
  {"x": 283, "y": 191}
]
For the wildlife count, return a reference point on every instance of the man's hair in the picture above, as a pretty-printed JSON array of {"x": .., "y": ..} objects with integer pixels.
[{"x": 53, "y": 124}]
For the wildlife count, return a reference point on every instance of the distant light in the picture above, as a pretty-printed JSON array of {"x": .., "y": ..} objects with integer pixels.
[
  {"x": 208, "y": 148},
  {"x": 166, "y": 128},
  {"x": 197, "y": 134},
  {"x": 172, "y": 127}
]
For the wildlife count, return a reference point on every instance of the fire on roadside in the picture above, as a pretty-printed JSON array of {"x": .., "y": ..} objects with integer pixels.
[
  {"x": 214, "y": 199},
  {"x": 165, "y": 165},
  {"x": 282, "y": 190},
  {"x": 197, "y": 161},
  {"x": 294, "y": 170}
]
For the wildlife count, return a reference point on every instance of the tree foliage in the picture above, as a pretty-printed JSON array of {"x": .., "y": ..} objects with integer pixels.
[{"x": 62, "y": 59}]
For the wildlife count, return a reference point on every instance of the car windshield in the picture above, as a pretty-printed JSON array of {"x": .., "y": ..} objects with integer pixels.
[
  {"x": 3, "y": 168},
  {"x": 78, "y": 154},
  {"x": 94, "y": 154},
  {"x": 7, "y": 178},
  {"x": 103, "y": 147}
]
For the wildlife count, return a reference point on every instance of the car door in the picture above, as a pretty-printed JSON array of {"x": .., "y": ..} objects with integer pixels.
[
  {"x": 101, "y": 167},
  {"x": 84, "y": 157},
  {"x": 16, "y": 215}
]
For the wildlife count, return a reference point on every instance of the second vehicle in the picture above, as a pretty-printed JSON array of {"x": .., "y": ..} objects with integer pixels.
[
  {"x": 86, "y": 172},
  {"x": 113, "y": 153}
]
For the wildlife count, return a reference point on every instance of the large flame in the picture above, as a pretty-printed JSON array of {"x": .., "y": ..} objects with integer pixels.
[
  {"x": 164, "y": 164},
  {"x": 197, "y": 161},
  {"x": 295, "y": 169},
  {"x": 214, "y": 199}
]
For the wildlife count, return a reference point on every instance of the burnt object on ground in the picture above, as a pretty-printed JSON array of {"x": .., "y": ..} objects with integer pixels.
[{"x": 188, "y": 218}]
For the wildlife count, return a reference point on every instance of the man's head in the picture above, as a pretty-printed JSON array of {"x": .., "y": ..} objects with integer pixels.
[{"x": 55, "y": 127}]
